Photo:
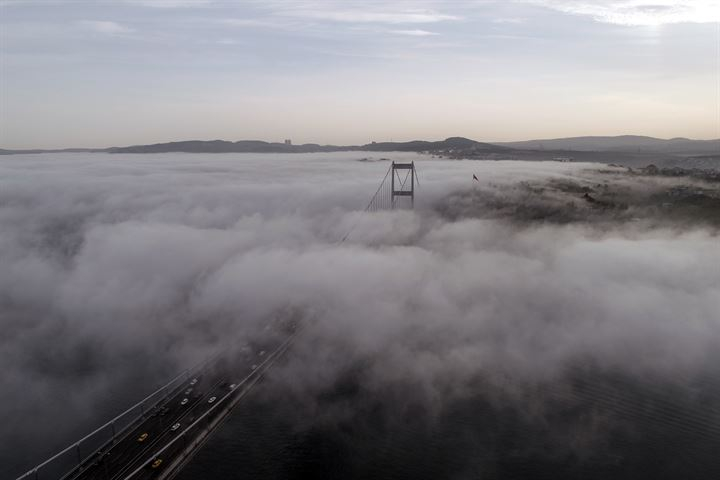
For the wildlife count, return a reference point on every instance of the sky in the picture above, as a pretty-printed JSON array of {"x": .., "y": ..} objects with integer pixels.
[{"x": 81, "y": 73}]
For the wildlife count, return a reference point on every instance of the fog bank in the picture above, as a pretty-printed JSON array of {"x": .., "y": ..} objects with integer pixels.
[{"x": 117, "y": 271}]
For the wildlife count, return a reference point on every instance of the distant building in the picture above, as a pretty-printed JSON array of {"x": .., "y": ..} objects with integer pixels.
[{"x": 288, "y": 141}]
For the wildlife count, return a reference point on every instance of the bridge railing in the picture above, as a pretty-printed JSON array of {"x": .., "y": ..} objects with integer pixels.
[
  {"x": 66, "y": 463},
  {"x": 186, "y": 442}
]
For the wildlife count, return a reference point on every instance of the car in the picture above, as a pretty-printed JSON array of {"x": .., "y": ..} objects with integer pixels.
[
  {"x": 232, "y": 386},
  {"x": 175, "y": 427},
  {"x": 164, "y": 411},
  {"x": 156, "y": 463},
  {"x": 254, "y": 366},
  {"x": 262, "y": 352},
  {"x": 212, "y": 399},
  {"x": 193, "y": 381},
  {"x": 188, "y": 391},
  {"x": 142, "y": 437},
  {"x": 184, "y": 401}
]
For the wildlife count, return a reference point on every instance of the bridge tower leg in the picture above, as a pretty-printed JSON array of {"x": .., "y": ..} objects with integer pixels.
[{"x": 399, "y": 186}]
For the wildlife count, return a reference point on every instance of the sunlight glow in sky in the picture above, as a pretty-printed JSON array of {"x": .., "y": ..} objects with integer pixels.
[{"x": 121, "y": 72}]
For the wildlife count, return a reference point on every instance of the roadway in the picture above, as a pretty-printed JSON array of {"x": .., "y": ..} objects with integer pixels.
[{"x": 166, "y": 420}]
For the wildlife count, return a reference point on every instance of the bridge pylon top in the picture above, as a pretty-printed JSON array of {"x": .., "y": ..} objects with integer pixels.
[{"x": 402, "y": 181}]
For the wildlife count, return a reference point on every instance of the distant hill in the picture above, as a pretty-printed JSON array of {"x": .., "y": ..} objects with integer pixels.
[
  {"x": 223, "y": 146},
  {"x": 257, "y": 146},
  {"x": 452, "y": 143},
  {"x": 622, "y": 143},
  {"x": 614, "y": 149}
]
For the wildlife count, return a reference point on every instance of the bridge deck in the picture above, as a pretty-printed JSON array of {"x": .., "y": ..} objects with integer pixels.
[{"x": 131, "y": 457}]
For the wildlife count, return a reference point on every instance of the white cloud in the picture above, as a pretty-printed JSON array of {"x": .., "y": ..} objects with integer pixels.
[
  {"x": 255, "y": 23},
  {"x": 170, "y": 3},
  {"x": 639, "y": 12},
  {"x": 511, "y": 20},
  {"x": 359, "y": 16},
  {"x": 106, "y": 27},
  {"x": 414, "y": 33}
]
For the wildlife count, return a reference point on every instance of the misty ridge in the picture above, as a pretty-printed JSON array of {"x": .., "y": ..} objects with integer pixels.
[
  {"x": 118, "y": 271},
  {"x": 629, "y": 149}
]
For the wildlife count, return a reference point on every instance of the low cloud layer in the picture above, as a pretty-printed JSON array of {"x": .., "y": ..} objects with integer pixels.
[{"x": 117, "y": 271}]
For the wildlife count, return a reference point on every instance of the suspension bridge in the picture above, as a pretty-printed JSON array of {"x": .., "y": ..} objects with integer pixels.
[
  {"x": 398, "y": 184},
  {"x": 157, "y": 436}
]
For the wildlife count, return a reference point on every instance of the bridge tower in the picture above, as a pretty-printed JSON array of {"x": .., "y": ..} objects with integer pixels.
[
  {"x": 399, "y": 182},
  {"x": 403, "y": 178}
]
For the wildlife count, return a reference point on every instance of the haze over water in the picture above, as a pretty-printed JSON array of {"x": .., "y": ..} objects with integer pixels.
[{"x": 469, "y": 335}]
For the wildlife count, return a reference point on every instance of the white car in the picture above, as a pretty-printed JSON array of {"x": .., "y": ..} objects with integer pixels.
[
  {"x": 184, "y": 401},
  {"x": 262, "y": 352},
  {"x": 254, "y": 366},
  {"x": 175, "y": 427},
  {"x": 193, "y": 381},
  {"x": 212, "y": 399},
  {"x": 232, "y": 386},
  {"x": 188, "y": 391}
]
